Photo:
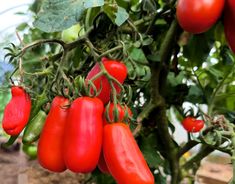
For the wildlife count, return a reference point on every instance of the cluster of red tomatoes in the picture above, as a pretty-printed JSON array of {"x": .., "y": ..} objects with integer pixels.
[
  {"x": 77, "y": 136},
  {"x": 197, "y": 16}
]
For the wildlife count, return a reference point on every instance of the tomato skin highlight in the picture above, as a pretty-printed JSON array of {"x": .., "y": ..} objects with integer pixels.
[
  {"x": 50, "y": 145},
  {"x": 123, "y": 156},
  {"x": 229, "y": 23},
  {"x": 192, "y": 125},
  {"x": 17, "y": 111},
  {"x": 198, "y": 16},
  {"x": 83, "y": 135},
  {"x": 116, "y": 69}
]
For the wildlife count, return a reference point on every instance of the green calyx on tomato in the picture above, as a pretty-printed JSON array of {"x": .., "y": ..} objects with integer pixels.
[
  {"x": 116, "y": 113},
  {"x": 192, "y": 125}
]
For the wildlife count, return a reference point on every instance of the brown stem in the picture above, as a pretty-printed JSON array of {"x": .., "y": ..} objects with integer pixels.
[{"x": 189, "y": 145}]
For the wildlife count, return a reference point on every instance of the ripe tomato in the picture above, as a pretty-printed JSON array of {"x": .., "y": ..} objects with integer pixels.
[
  {"x": 50, "y": 145},
  {"x": 116, "y": 69},
  {"x": 123, "y": 156},
  {"x": 83, "y": 134},
  {"x": 102, "y": 164},
  {"x": 229, "y": 23},
  {"x": 192, "y": 125},
  {"x": 197, "y": 16},
  {"x": 122, "y": 110},
  {"x": 121, "y": 115},
  {"x": 17, "y": 111}
]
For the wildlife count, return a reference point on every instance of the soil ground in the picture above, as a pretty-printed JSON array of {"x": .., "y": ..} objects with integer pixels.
[{"x": 16, "y": 168}]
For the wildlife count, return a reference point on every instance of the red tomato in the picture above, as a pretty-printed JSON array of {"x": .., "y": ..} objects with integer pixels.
[
  {"x": 102, "y": 164},
  {"x": 123, "y": 156},
  {"x": 192, "y": 125},
  {"x": 50, "y": 145},
  {"x": 83, "y": 134},
  {"x": 121, "y": 112},
  {"x": 116, "y": 69},
  {"x": 229, "y": 23},
  {"x": 17, "y": 111},
  {"x": 197, "y": 16}
]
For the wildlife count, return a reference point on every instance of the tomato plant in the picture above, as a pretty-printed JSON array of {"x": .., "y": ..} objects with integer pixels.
[
  {"x": 198, "y": 16},
  {"x": 144, "y": 55}
]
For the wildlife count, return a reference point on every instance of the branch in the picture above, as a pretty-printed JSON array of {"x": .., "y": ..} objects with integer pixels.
[
  {"x": 205, "y": 151},
  {"x": 189, "y": 145},
  {"x": 233, "y": 159},
  {"x": 157, "y": 102}
]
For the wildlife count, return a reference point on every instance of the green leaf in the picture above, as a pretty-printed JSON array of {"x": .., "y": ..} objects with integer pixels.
[
  {"x": 57, "y": 15},
  {"x": 121, "y": 16},
  {"x": 175, "y": 80},
  {"x": 117, "y": 14},
  {"x": 197, "y": 50},
  {"x": 138, "y": 55},
  {"x": 195, "y": 95},
  {"x": 22, "y": 26},
  {"x": 93, "y": 3},
  {"x": 148, "y": 146},
  {"x": 149, "y": 5}
]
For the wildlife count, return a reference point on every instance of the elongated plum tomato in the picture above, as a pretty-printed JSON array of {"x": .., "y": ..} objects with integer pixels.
[
  {"x": 197, "y": 16},
  {"x": 17, "y": 111},
  {"x": 83, "y": 134},
  {"x": 116, "y": 69},
  {"x": 50, "y": 145},
  {"x": 192, "y": 125},
  {"x": 123, "y": 156},
  {"x": 121, "y": 116},
  {"x": 229, "y": 23}
]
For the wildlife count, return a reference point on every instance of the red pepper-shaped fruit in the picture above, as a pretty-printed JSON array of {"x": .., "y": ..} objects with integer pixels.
[
  {"x": 50, "y": 145},
  {"x": 123, "y": 156},
  {"x": 121, "y": 116},
  {"x": 17, "y": 111},
  {"x": 83, "y": 134},
  {"x": 197, "y": 16},
  {"x": 116, "y": 69},
  {"x": 229, "y": 23},
  {"x": 192, "y": 125}
]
